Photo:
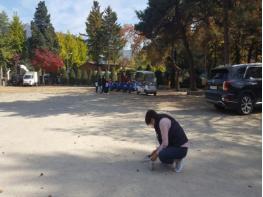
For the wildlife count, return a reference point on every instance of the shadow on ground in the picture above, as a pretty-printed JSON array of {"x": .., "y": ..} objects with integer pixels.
[
  {"x": 224, "y": 159},
  {"x": 67, "y": 175}
]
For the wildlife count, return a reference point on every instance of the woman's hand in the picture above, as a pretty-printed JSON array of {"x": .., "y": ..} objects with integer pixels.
[{"x": 154, "y": 155}]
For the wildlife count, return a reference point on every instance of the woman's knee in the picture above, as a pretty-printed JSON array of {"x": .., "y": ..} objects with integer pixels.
[{"x": 164, "y": 158}]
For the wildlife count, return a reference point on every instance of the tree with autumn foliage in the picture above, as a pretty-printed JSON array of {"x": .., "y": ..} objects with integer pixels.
[
  {"x": 46, "y": 61},
  {"x": 200, "y": 35},
  {"x": 73, "y": 50},
  {"x": 135, "y": 42}
]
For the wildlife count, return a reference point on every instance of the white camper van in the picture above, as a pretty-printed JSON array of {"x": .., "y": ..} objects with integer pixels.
[{"x": 30, "y": 78}]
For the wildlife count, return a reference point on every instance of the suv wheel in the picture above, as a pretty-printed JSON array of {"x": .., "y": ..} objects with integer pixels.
[{"x": 245, "y": 104}]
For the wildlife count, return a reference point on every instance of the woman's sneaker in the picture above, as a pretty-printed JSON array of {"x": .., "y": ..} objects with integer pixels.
[{"x": 177, "y": 165}]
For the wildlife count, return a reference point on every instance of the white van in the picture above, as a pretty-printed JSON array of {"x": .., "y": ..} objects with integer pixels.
[
  {"x": 30, "y": 78},
  {"x": 146, "y": 82}
]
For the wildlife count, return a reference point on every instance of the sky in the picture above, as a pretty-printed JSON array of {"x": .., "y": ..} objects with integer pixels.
[{"x": 70, "y": 15}]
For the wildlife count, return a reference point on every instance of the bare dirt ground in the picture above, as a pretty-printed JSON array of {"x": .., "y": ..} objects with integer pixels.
[{"x": 71, "y": 142}]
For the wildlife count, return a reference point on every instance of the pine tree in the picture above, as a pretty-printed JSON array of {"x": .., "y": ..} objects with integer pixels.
[
  {"x": 112, "y": 35},
  {"x": 5, "y": 52},
  {"x": 3, "y": 23},
  {"x": 16, "y": 36},
  {"x": 94, "y": 29},
  {"x": 43, "y": 33}
]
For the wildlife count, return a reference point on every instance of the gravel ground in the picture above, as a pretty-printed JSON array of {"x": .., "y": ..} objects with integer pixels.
[{"x": 71, "y": 142}]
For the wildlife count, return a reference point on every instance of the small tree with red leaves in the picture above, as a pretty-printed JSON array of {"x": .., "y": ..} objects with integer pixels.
[{"x": 47, "y": 61}]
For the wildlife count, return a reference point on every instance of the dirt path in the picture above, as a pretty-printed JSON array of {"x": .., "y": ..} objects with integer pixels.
[{"x": 70, "y": 142}]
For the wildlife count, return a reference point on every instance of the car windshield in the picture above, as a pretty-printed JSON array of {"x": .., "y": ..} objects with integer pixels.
[
  {"x": 28, "y": 77},
  {"x": 219, "y": 74},
  {"x": 149, "y": 77},
  {"x": 139, "y": 76}
]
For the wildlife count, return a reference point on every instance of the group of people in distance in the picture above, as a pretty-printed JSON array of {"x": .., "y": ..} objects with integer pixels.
[
  {"x": 124, "y": 83},
  {"x": 102, "y": 85}
]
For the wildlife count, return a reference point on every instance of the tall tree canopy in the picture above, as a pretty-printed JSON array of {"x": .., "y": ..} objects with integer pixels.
[
  {"x": 113, "y": 39},
  {"x": 16, "y": 35},
  {"x": 3, "y": 23},
  {"x": 203, "y": 33},
  {"x": 43, "y": 33},
  {"x": 5, "y": 51},
  {"x": 72, "y": 49},
  {"x": 94, "y": 29},
  {"x": 105, "y": 39}
]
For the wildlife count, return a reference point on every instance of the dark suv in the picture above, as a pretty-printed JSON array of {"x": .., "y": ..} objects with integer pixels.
[{"x": 236, "y": 87}]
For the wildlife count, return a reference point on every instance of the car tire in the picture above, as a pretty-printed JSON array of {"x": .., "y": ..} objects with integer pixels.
[
  {"x": 155, "y": 93},
  {"x": 246, "y": 104},
  {"x": 138, "y": 92}
]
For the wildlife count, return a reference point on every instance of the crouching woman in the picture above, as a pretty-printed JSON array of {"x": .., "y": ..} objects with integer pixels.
[{"x": 171, "y": 137}]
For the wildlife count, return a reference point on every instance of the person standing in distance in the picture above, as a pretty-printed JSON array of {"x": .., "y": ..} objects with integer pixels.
[{"x": 171, "y": 137}]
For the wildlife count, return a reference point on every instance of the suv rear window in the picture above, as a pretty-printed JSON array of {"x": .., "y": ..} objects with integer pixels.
[
  {"x": 238, "y": 72},
  {"x": 219, "y": 74}
]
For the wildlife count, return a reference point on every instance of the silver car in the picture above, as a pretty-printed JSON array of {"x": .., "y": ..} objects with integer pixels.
[{"x": 146, "y": 82}]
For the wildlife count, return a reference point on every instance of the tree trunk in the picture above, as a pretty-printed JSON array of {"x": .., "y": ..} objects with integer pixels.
[
  {"x": 1, "y": 75},
  {"x": 187, "y": 46},
  {"x": 177, "y": 84},
  {"x": 215, "y": 54},
  {"x": 175, "y": 74},
  {"x": 43, "y": 77},
  {"x": 190, "y": 59},
  {"x": 250, "y": 50},
  {"x": 226, "y": 32},
  {"x": 237, "y": 54}
]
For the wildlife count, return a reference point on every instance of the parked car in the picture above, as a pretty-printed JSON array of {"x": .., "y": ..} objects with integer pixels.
[
  {"x": 16, "y": 80},
  {"x": 236, "y": 87},
  {"x": 146, "y": 82}
]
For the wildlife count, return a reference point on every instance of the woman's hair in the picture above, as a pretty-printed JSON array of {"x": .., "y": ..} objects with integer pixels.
[{"x": 150, "y": 114}]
